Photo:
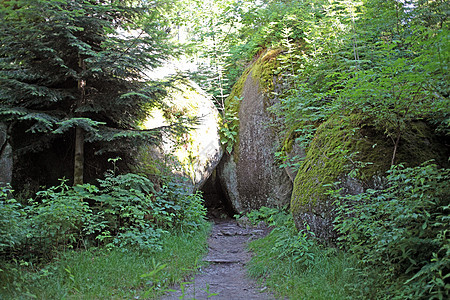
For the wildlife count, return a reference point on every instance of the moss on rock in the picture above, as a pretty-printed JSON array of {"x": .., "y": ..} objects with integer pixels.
[
  {"x": 289, "y": 140},
  {"x": 345, "y": 144},
  {"x": 249, "y": 176},
  {"x": 264, "y": 67},
  {"x": 325, "y": 160},
  {"x": 262, "y": 70}
]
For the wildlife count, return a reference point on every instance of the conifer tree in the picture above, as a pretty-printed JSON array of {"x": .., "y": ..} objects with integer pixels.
[{"x": 80, "y": 65}]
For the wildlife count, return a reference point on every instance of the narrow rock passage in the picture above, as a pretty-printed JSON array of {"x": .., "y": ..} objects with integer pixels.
[{"x": 225, "y": 277}]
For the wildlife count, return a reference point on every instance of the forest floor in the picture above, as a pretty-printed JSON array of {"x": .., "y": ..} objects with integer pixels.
[{"x": 224, "y": 277}]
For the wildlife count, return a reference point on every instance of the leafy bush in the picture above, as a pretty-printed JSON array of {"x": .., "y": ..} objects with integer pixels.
[
  {"x": 12, "y": 225},
  {"x": 57, "y": 217},
  {"x": 289, "y": 243},
  {"x": 184, "y": 210},
  {"x": 293, "y": 245},
  {"x": 266, "y": 214},
  {"x": 293, "y": 265},
  {"x": 402, "y": 233},
  {"x": 193, "y": 212},
  {"x": 123, "y": 211}
]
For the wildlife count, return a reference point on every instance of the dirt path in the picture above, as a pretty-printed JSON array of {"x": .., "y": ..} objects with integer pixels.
[{"x": 226, "y": 275}]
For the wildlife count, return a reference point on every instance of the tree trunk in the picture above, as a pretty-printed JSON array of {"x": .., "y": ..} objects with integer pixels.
[
  {"x": 78, "y": 168},
  {"x": 78, "y": 164},
  {"x": 397, "y": 140}
]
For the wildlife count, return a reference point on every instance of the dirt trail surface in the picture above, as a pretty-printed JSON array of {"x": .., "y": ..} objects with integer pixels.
[{"x": 225, "y": 276}]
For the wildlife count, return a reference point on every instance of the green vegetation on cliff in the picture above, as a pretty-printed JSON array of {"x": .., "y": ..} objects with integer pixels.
[
  {"x": 349, "y": 147},
  {"x": 362, "y": 87},
  {"x": 262, "y": 70}
]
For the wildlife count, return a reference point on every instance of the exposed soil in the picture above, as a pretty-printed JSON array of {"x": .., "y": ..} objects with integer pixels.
[{"x": 225, "y": 277}]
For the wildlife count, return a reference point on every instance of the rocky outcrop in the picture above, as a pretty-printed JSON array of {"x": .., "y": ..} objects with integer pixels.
[
  {"x": 193, "y": 156},
  {"x": 249, "y": 176},
  {"x": 340, "y": 153},
  {"x": 6, "y": 158}
]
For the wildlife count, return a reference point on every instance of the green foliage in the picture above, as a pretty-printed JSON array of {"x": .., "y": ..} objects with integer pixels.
[
  {"x": 284, "y": 161},
  {"x": 179, "y": 208},
  {"x": 124, "y": 211},
  {"x": 229, "y": 130},
  {"x": 130, "y": 221},
  {"x": 401, "y": 233},
  {"x": 107, "y": 274},
  {"x": 57, "y": 217},
  {"x": 81, "y": 64},
  {"x": 289, "y": 243},
  {"x": 230, "y": 34},
  {"x": 292, "y": 245},
  {"x": 264, "y": 214},
  {"x": 12, "y": 228},
  {"x": 376, "y": 57},
  {"x": 292, "y": 265}
]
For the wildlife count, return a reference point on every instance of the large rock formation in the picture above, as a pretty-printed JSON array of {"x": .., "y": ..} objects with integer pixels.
[
  {"x": 249, "y": 176},
  {"x": 339, "y": 152},
  {"x": 194, "y": 156}
]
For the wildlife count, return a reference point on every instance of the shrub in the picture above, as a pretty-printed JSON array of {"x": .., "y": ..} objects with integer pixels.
[
  {"x": 123, "y": 211},
  {"x": 266, "y": 214},
  {"x": 402, "y": 232},
  {"x": 57, "y": 217},
  {"x": 289, "y": 244},
  {"x": 12, "y": 226},
  {"x": 293, "y": 265}
]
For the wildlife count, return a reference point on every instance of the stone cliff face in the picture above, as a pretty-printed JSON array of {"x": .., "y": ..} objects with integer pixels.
[{"x": 249, "y": 175}]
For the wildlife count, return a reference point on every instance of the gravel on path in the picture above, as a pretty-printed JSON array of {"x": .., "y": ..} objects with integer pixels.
[{"x": 225, "y": 277}]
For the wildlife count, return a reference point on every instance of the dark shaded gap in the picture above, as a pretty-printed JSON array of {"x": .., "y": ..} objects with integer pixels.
[{"x": 216, "y": 203}]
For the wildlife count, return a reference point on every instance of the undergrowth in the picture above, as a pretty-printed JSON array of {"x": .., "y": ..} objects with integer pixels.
[
  {"x": 99, "y": 273},
  {"x": 400, "y": 234},
  {"x": 393, "y": 244},
  {"x": 122, "y": 238},
  {"x": 293, "y": 265}
]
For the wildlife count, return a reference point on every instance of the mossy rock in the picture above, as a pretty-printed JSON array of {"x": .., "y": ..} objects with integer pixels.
[
  {"x": 346, "y": 144},
  {"x": 249, "y": 176},
  {"x": 261, "y": 70},
  {"x": 190, "y": 157}
]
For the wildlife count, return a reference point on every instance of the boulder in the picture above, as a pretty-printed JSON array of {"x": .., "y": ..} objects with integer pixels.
[
  {"x": 249, "y": 176},
  {"x": 192, "y": 157},
  {"x": 348, "y": 152}
]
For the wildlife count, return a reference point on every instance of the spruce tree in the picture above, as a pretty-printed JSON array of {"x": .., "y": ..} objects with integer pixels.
[{"x": 80, "y": 65}]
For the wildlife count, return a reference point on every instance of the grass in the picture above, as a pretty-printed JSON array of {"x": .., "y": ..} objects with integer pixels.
[
  {"x": 106, "y": 274},
  {"x": 303, "y": 271}
]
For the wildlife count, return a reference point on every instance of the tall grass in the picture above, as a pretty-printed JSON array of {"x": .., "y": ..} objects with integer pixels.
[
  {"x": 107, "y": 274},
  {"x": 292, "y": 265}
]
